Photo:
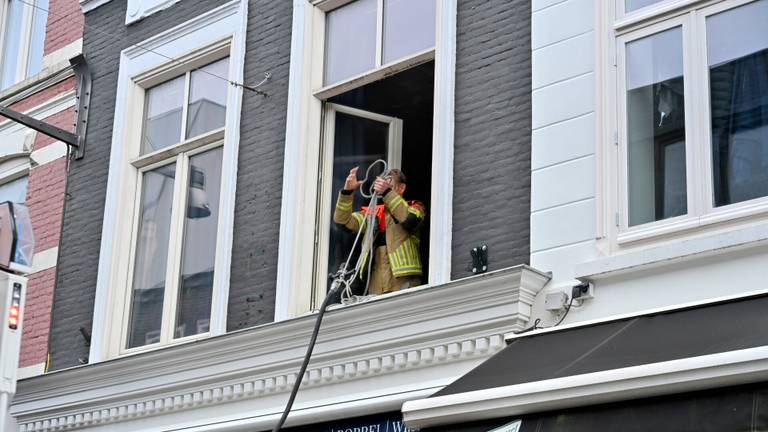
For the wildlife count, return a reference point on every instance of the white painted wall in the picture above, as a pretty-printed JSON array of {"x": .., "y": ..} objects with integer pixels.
[
  {"x": 563, "y": 183},
  {"x": 565, "y": 206}
]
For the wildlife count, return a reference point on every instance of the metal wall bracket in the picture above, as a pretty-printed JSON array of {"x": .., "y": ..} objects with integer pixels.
[
  {"x": 83, "y": 99},
  {"x": 479, "y": 259},
  {"x": 75, "y": 140}
]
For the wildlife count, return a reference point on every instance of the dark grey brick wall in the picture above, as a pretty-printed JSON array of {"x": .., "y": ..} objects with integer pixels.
[
  {"x": 87, "y": 180},
  {"x": 260, "y": 166},
  {"x": 492, "y": 152}
]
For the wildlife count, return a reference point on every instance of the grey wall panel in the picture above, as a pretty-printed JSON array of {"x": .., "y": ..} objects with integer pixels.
[
  {"x": 260, "y": 167},
  {"x": 492, "y": 152},
  {"x": 87, "y": 179}
]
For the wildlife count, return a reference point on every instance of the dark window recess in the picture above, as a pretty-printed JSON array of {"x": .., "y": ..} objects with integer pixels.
[{"x": 409, "y": 96}]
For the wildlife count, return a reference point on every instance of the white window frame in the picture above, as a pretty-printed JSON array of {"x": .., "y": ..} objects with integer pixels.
[
  {"x": 296, "y": 279},
  {"x": 217, "y": 33},
  {"x": 179, "y": 155},
  {"x": 702, "y": 216},
  {"x": 394, "y": 157},
  {"x": 28, "y": 15}
]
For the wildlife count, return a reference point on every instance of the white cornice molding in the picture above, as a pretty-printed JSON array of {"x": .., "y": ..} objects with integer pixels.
[
  {"x": 89, "y": 5},
  {"x": 675, "y": 376},
  {"x": 440, "y": 331},
  {"x": 194, "y": 25}
]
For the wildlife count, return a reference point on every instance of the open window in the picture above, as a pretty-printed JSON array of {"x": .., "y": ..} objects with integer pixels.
[
  {"x": 378, "y": 103},
  {"x": 389, "y": 119},
  {"x": 389, "y": 58},
  {"x": 358, "y": 139}
]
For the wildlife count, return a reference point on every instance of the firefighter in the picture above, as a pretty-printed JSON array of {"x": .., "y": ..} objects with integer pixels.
[{"x": 396, "y": 258}]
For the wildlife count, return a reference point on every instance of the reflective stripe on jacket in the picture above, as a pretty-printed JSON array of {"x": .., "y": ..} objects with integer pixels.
[{"x": 403, "y": 220}]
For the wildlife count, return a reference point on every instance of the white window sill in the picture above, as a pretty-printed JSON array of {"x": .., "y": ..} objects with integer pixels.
[{"x": 674, "y": 252}]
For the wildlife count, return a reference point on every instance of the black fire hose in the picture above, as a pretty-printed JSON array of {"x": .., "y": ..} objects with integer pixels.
[{"x": 335, "y": 288}]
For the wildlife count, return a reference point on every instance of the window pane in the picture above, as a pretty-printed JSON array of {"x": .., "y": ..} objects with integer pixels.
[
  {"x": 207, "y": 98},
  {"x": 39, "y": 20},
  {"x": 738, "y": 82},
  {"x": 162, "y": 115},
  {"x": 656, "y": 128},
  {"x": 409, "y": 27},
  {"x": 11, "y": 44},
  {"x": 151, "y": 256},
  {"x": 630, "y": 5},
  {"x": 350, "y": 40},
  {"x": 358, "y": 142},
  {"x": 14, "y": 191},
  {"x": 193, "y": 311}
]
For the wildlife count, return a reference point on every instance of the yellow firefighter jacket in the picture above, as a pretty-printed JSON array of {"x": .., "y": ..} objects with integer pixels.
[{"x": 403, "y": 223}]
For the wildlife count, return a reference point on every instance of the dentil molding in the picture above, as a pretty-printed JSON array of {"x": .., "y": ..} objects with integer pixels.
[{"x": 408, "y": 341}]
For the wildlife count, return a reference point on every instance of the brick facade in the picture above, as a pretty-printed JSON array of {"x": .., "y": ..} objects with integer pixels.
[
  {"x": 492, "y": 142},
  {"x": 87, "y": 178},
  {"x": 492, "y": 147},
  {"x": 65, "y": 24},
  {"x": 47, "y": 185}
]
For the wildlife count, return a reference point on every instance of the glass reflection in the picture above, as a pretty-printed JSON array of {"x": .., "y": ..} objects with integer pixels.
[
  {"x": 738, "y": 84},
  {"x": 163, "y": 110},
  {"x": 656, "y": 128},
  {"x": 12, "y": 44},
  {"x": 409, "y": 27},
  {"x": 631, "y": 5},
  {"x": 193, "y": 311},
  {"x": 358, "y": 142},
  {"x": 350, "y": 39},
  {"x": 207, "y": 99},
  {"x": 151, "y": 256},
  {"x": 37, "y": 37}
]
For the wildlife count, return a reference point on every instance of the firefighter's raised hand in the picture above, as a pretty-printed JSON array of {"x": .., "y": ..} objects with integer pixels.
[
  {"x": 352, "y": 182},
  {"x": 381, "y": 185}
]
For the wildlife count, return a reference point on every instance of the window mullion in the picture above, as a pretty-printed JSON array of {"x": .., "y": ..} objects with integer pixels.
[
  {"x": 3, "y": 13},
  {"x": 692, "y": 150},
  {"x": 126, "y": 309},
  {"x": 704, "y": 149},
  {"x": 185, "y": 106},
  {"x": 24, "y": 40},
  {"x": 379, "y": 33},
  {"x": 175, "y": 245}
]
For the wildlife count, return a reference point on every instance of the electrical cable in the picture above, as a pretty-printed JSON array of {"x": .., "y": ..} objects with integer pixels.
[
  {"x": 567, "y": 309},
  {"x": 535, "y": 326},
  {"x": 254, "y": 88}
]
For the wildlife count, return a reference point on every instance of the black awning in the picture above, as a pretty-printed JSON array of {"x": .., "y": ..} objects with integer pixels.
[
  {"x": 702, "y": 330},
  {"x": 737, "y": 409}
]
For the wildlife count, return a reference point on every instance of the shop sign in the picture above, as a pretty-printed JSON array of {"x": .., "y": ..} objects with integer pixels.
[{"x": 390, "y": 422}]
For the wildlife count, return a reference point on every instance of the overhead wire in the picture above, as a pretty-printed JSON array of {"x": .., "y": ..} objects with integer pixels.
[{"x": 253, "y": 88}]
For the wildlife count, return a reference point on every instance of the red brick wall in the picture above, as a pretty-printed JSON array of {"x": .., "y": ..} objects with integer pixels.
[
  {"x": 45, "y": 199},
  {"x": 47, "y": 187},
  {"x": 37, "y": 317},
  {"x": 65, "y": 24},
  {"x": 64, "y": 119},
  {"x": 44, "y": 95}
]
